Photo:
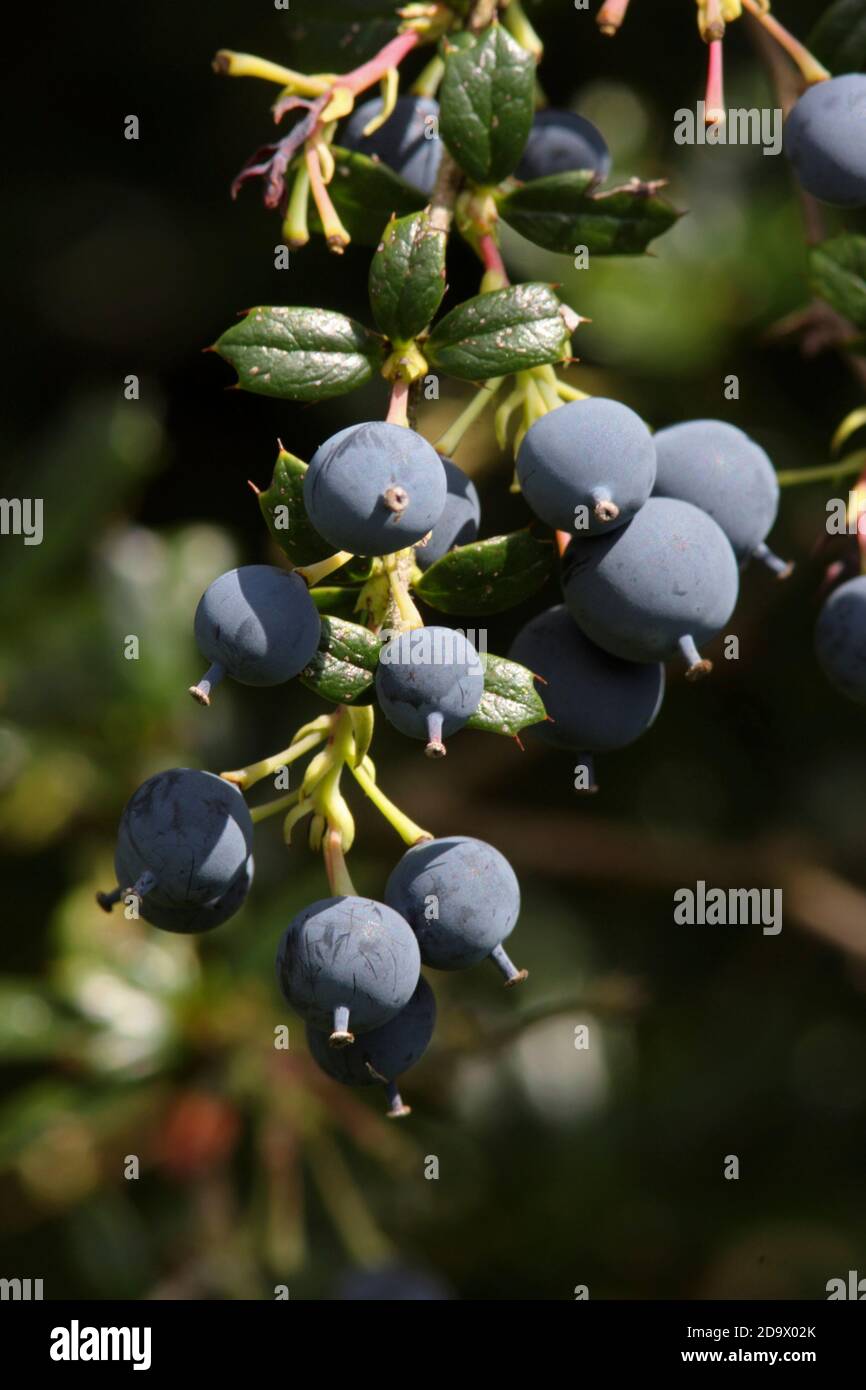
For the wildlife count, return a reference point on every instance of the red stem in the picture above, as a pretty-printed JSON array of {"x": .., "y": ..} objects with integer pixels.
[
  {"x": 490, "y": 255},
  {"x": 611, "y": 16},
  {"x": 391, "y": 56},
  {"x": 398, "y": 413},
  {"x": 715, "y": 99}
]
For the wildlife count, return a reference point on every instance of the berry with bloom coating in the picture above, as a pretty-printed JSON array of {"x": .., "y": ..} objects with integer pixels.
[
  {"x": 656, "y": 588},
  {"x": 840, "y": 639},
  {"x": 720, "y": 469},
  {"x": 383, "y": 1054},
  {"x": 348, "y": 963},
  {"x": 256, "y": 624},
  {"x": 408, "y": 141},
  {"x": 375, "y": 488},
  {"x": 596, "y": 702},
  {"x": 459, "y": 522},
  {"x": 429, "y": 682},
  {"x": 560, "y": 142},
  {"x": 587, "y": 466},
  {"x": 184, "y": 851},
  {"x": 461, "y": 898},
  {"x": 825, "y": 140}
]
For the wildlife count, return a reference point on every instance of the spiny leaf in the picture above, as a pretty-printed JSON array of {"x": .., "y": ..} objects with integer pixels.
[
  {"x": 487, "y": 576},
  {"x": 300, "y": 354}
]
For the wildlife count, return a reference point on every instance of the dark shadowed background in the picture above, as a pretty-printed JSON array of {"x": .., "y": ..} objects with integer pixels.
[{"x": 557, "y": 1167}]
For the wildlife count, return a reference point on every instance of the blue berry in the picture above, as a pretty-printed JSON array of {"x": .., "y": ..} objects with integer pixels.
[
  {"x": 656, "y": 588},
  {"x": 721, "y": 470},
  {"x": 461, "y": 898},
  {"x": 587, "y": 466},
  {"x": 408, "y": 141},
  {"x": 392, "y": 1283},
  {"x": 383, "y": 1054},
  {"x": 560, "y": 142},
  {"x": 825, "y": 140},
  {"x": 596, "y": 702},
  {"x": 184, "y": 848},
  {"x": 459, "y": 522},
  {"x": 429, "y": 682},
  {"x": 348, "y": 963},
  {"x": 375, "y": 488},
  {"x": 840, "y": 639},
  {"x": 256, "y": 624}
]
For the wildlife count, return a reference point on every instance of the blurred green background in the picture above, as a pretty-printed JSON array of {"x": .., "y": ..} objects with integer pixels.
[{"x": 557, "y": 1167}]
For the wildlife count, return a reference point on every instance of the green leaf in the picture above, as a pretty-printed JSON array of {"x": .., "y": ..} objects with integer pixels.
[
  {"x": 487, "y": 576},
  {"x": 501, "y": 332},
  {"x": 839, "y": 38},
  {"x": 510, "y": 701},
  {"x": 367, "y": 194},
  {"x": 486, "y": 104},
  {"x": 345, "y": 664},
  {"x": 282, "y": 507},
  {"x": 300, "y": 354},
  {"x": 407, "y": 276},
  {"x": 562, "y": 213},
  {"x": 838, "y": 274}
]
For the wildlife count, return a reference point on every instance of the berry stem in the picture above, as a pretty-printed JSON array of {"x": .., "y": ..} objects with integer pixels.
[
  {"x": 335, "y": 865},
  {"x": 610, "y": 17},
  {"x": 714, "y": 113},
  {"x": 295, "y": 227},
  {"x": 495, "y": 274},
  {"x": 791, "y": 477},
  {"x": 426, "y": 84},
  {"x": 314, "y": 574},
  {"x": 273, "y": 808},
  {"x": 448, "y": 442},
  {"x": 371, "y": 72},
  {"x": 783, "y": 569},
  {"x": 107, "y": 900},
  {"x": 229, "y": 64},
  {"x": 335, "y": 233},
  {"x": 517, "y": 23},
  {"x": 812, "y": 70},
  {"x": 409, "y": 832},
  {"x": 398, "y": 404},
  {"x": 246, "y": 777},
  {"x": 409, "y": 617}
]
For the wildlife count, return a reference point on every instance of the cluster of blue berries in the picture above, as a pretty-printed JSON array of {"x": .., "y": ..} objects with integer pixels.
[
  {"x": 660, "y": 526},
  {"x": 351, "y": 967}
]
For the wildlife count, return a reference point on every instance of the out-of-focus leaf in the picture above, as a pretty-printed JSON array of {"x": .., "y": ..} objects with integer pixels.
[
  {"x": 839, "y": 38},
  {"x": 838, "y": 274}
]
